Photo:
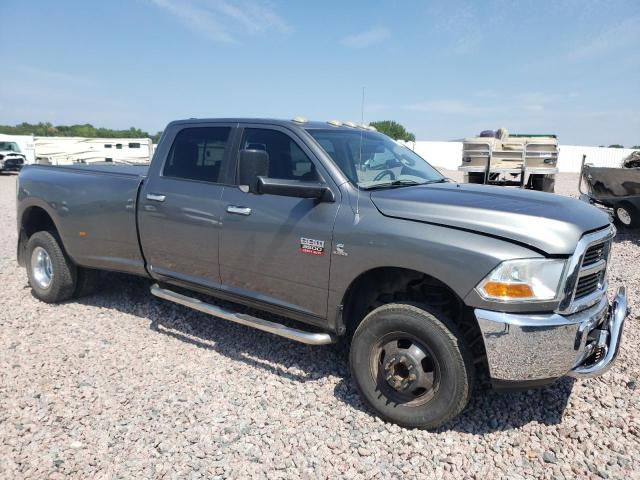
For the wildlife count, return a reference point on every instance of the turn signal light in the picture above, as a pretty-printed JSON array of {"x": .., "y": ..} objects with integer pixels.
[{"x": 507, "y": 290}]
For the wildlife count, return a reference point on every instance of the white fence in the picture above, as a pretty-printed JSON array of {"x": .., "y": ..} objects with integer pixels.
[
  {"x": 570, "y": 157},
  {"x": 448, "y": 155}
]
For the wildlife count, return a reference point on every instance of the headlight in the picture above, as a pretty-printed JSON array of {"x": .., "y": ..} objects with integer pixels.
[{"x": 524, "y": 280}]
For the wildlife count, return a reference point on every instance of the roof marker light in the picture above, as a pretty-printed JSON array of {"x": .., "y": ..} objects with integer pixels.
[
  {"x": 335, "y": 123},
  {"x": 299, "y": 120},
  {"x": 350, "y": 124}
]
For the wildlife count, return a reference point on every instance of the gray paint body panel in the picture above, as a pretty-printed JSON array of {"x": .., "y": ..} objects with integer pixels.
[
  {"x": 100, "y": 201},
  {"x": 457, "y": 258},
  {"x": 546, "y": 222}
]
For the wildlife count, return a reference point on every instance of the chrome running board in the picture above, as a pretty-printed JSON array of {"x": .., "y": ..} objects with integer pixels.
[{"x": 302, "y": 336}]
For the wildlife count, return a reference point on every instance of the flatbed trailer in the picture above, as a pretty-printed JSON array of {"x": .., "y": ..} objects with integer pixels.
[{"x": 525, "y": 161}]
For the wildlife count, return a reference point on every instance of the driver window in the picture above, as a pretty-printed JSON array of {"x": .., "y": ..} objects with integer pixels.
[{"x": 286, "y": 159}]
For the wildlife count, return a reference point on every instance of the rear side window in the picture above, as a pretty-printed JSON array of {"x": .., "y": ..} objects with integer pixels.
[
  {"x": 286, "y": 159},
  {"x": 197, "y": 153}
]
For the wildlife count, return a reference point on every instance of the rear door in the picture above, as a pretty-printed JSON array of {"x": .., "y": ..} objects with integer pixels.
[
  {"x": 181, "y": 207},
  {"x": 277, "y": 249}
]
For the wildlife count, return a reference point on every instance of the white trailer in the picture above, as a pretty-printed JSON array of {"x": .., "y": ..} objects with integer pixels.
[{"x": 69, "y": 150}]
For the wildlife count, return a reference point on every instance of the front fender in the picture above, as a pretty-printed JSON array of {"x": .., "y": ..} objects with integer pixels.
[{"x": 459, "y": 259}]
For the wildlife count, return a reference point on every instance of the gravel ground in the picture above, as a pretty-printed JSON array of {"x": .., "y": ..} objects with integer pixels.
[{"x": 120, "y": 384}]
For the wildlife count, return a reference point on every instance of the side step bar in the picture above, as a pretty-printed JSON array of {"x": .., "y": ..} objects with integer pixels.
[{"x": 309, "y": 338}]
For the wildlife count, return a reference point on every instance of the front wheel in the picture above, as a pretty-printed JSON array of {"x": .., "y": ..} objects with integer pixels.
[
  {"x": 52, "y": 274},
  {"x": 411, "y": 365}
]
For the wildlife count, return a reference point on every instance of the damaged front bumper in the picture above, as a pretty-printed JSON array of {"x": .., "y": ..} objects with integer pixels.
[{"x": 535, "y": 349}]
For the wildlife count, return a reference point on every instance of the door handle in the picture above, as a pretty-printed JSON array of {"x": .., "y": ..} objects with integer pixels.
[
  {"x": 238, "y": 210},
  {"x": 156, "y": 197}
]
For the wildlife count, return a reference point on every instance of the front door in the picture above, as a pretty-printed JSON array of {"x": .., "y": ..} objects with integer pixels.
[
  {"x": 180, "y": 207},
  {"x": 277, "y": 249}
]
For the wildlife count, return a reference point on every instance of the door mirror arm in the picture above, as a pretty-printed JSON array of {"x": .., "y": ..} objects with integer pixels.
[{"x": 295, "y": 188}]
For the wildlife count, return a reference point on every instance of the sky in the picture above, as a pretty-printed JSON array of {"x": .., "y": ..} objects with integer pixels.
[{"x": 445, "y": 70}]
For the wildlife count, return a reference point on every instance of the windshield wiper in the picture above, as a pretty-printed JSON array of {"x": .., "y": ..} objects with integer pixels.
[
  {"x": 442, "y": 180},
  {"x": 394, "y": 183}
]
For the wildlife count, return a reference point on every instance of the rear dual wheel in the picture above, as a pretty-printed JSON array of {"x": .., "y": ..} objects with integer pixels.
[
  {"x": 411, "y": 365},
  {"x": 53, "y": 276}
]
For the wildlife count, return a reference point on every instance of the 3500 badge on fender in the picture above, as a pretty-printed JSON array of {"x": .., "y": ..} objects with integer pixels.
[{"x": 311, "y": 246}]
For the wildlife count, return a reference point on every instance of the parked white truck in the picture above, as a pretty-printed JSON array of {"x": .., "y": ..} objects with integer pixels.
[
  {"x": 11, "y": 158},
  {"x": 500, "y": 158}
]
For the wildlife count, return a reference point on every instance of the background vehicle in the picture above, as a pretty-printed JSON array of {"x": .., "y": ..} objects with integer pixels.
[
  {"x": 11, "y": 158},
  {"x": 428, "y": 279},
  {"x": 616, "y": 189},
  {"x": 500, "y": 158},
  {"x": 70, "y": 150}
]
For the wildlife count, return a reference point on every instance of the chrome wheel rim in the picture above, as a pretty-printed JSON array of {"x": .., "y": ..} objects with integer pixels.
[
  {"x": 623, "y": 216},
  {"x": 41, "y": 267}
]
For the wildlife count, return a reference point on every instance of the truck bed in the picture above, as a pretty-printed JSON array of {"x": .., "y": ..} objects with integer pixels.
[
  {"x": 104, "y": 167},
  {"x": 93, "y": 208}
]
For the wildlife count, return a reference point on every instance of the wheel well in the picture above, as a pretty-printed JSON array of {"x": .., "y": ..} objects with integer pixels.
[
  {"x": 391, "y": 284},
  {"x": 36, "y": 219}
]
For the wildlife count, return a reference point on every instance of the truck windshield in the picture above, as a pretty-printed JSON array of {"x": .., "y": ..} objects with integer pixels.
[
  {"x": 9, "y": 147},
  {"x": 372, "y": 160}
]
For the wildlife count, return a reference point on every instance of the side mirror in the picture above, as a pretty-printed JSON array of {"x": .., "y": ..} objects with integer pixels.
[
  {"x": 295, "y": 188},
  {"x": 252, "y": 164}
]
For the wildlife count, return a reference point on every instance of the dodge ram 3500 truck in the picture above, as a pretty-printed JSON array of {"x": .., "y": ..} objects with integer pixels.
[{"x": 427, "y": 279}]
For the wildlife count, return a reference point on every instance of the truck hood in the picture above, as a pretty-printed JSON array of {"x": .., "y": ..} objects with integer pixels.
[{"x": 546, "y": 222}]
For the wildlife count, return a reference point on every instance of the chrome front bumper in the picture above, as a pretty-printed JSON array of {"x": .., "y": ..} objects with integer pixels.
[{"x": 535, "y": 347}]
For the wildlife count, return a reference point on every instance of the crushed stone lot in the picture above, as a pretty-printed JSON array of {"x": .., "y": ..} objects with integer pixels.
[{"x": 120, "y": 384}]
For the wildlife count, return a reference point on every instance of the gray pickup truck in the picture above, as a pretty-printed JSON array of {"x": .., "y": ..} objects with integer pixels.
[{"x": 429, "y": 280}]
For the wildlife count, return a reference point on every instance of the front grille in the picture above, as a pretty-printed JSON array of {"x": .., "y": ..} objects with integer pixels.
[
  {"x": 13, "y": 162},
  {"x": 588, "y": 284},
  {"x": 586, "y": 279},
  {"x": 592, "y": 269},
  {"x": 594, "y": 254}
]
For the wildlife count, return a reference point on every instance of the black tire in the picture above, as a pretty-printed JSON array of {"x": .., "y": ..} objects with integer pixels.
[
  {"x": 543, "y": 183},
  {"x": 450, "y": 362},
  {"x": 626, "y": 215},
  {"x": 475, "y": 177},
  {"x": 63, "y": 272},
  {"x": 87, "y": 281}
]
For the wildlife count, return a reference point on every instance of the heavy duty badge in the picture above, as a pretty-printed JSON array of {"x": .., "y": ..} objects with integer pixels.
[{"x": 311, "y": 246}]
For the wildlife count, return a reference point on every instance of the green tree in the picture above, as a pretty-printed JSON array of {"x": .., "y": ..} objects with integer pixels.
[
  {"x": 394, "y": 130},
  {"x": 635, "y": 147},
  {"x": 86, "y": 130},
  {"x": 616, "y": 145}
]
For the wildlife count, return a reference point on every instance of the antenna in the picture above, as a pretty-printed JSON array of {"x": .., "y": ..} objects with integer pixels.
[{"x": 357, "y": 217}]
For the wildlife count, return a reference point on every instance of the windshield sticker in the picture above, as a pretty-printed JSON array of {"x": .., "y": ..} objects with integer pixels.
[{"x": 311, "y": 246}]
